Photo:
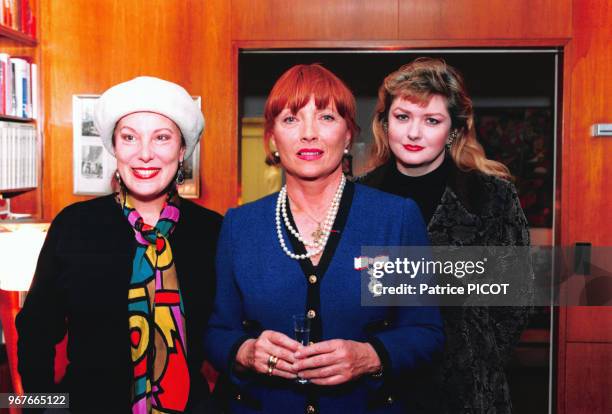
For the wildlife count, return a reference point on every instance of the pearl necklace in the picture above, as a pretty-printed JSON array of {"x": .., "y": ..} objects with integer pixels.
[
  {"x": 328, "y": 223},
  {"x": 317, "y": 246}
]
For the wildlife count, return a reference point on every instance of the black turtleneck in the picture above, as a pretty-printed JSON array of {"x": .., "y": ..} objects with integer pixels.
[{"x": 426, "y": 190}]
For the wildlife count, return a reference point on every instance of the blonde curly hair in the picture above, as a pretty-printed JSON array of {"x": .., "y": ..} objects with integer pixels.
[{"x": 418, "y": 81}]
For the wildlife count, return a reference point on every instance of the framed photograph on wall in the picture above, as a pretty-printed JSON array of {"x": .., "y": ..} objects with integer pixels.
[
  {"x": 94, "y": 167},
  {"x": 191, "y": 166}
]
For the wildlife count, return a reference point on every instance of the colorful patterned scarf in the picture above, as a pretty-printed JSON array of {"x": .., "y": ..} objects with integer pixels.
[{"x": 156, "y": 317}]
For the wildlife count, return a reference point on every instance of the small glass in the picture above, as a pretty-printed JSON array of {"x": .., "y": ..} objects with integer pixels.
[{"x": 301, "y": 329}]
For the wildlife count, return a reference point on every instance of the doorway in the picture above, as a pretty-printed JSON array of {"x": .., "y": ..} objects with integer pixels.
[{"x": 516, "y": 99}]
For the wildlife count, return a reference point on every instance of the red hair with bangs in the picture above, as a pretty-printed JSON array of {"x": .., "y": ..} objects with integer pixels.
[{"x": 294, "y": 89}]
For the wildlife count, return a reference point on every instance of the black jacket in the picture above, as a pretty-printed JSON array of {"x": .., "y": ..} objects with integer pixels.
[
  {"x": 80, "y": 287},
  {"x": 475, "y": 210}
]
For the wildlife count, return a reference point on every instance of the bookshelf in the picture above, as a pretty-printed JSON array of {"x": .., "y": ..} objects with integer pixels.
[
  {"x": 16, "y": 35},
  {"x": 20, "y": 113}
]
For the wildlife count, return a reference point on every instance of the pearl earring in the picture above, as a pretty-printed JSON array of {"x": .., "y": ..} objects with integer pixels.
[
  {"x": 346, "y": 151},
  {"x": 118, "y": 179}
]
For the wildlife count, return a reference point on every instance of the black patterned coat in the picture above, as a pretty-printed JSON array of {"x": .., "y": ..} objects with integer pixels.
[{"x": 475, "y": 210}]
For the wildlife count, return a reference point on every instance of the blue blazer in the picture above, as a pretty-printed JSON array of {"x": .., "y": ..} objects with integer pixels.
[{"x": 259, "y": 288}]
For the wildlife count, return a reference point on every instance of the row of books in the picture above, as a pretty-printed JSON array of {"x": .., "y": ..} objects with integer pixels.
[
  {"x": 18, "y": 15},
  {"x": 18, "y": 150},
  {"x": 18, "y": 87}
]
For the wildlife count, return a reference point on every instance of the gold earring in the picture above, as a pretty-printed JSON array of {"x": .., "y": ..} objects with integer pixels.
[
  {"x": 451, "y": 138},
  {"x": 180, "y": 174}
]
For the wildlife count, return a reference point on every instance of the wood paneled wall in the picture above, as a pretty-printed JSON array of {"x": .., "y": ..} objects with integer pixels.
[
  {"x": 314, "y": 20},
  {"x": 212, "y": 68},
  {"x": 89, "y": 45},
  {"x": 586, "y": 167},
  {"x": 491, "y": 19},
  {"x": 584, "y": 371},
  {"x": 400, "y": 19},
  {"x": 588, "y": 379}
]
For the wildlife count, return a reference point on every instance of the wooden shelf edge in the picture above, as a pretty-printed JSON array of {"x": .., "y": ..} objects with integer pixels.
[
  {"x": 8, "y": 193},
  {"x": 17, "y": 222},
  {"x": 10, "y": 33},
  {"x": 15, "y": 118}
]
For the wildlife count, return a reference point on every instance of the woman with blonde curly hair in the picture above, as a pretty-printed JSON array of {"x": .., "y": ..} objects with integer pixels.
[{"x": 426, "y": 149}]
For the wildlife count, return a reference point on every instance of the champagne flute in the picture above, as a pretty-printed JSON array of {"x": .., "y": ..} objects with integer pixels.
[{"x": 301, "y": 329}]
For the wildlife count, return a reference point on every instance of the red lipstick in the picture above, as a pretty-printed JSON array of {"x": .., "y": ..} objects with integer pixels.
[
  {"x": 310, "y": 154},
  {"x": 145, "y": 173},
  {"x": 413, "y": 148}
]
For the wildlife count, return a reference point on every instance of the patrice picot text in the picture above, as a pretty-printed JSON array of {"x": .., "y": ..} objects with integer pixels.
[{"x": 380, "y": 267}]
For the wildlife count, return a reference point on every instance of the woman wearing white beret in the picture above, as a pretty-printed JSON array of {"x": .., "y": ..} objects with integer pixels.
[{"x": 128, "y": 277}]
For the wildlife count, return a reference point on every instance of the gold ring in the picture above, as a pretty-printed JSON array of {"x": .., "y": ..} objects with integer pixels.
[{"x": 272, "y": 361}]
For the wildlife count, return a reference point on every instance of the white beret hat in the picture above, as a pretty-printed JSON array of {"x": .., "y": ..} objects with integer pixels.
[{"x": 149, "y": 94}]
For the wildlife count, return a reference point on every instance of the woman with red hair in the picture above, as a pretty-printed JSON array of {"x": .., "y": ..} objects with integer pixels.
[{"x": 293, "y": 253}]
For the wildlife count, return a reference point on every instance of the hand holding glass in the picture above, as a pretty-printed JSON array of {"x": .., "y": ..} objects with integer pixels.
[{"x": 301, "y": 328}]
